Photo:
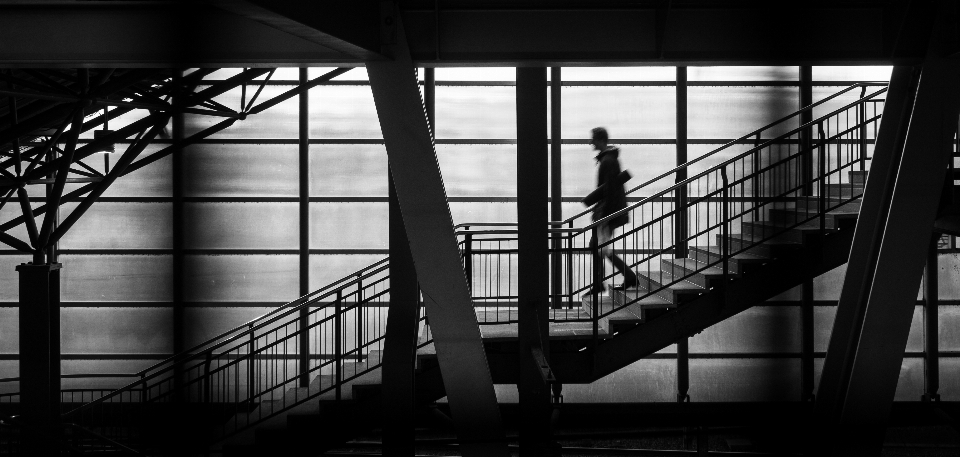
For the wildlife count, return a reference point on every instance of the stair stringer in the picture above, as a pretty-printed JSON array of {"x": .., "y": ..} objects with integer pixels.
[{"x": 819, "y": 255}]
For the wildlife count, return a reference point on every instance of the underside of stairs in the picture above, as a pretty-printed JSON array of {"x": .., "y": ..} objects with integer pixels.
[{"x": 682, "y": 298}]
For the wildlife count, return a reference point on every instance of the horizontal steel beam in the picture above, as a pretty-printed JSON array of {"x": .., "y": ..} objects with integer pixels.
[{"x": 164, "y": 34}]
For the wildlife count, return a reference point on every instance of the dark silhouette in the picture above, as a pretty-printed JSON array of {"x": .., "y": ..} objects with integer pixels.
[{"x": 609, "y": 198}]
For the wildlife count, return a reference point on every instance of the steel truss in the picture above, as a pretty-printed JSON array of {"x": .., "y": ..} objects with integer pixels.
[{"x": 47, "y": 110}]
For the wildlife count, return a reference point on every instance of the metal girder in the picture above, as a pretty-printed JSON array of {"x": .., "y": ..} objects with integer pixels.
[
  {"x": 347, "y": 26},
  {"x": 258, "y": 32},
  {"x": 884, "y": 298},
  {"x": 433, "y": 245},
  {"x": 127, "y": 34}
]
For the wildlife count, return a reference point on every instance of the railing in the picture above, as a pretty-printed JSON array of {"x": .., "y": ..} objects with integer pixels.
[{"x": 319, "y": 345}]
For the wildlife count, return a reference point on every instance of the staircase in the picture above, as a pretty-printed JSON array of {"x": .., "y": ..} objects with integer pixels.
[{"x": 742, "y": 229}]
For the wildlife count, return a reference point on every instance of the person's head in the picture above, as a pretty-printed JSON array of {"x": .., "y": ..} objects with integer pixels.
[{"x": 599, "y": 138}]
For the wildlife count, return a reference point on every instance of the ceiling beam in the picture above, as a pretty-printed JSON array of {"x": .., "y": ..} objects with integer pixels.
[
  {"x": 347, "y": 26},
  {"x": 262, "y": 33}
]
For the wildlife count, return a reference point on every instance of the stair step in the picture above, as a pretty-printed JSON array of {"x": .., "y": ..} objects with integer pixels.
[
  {"x": 737, "y": 264},
  {"x": 858, "y": 177},
  {"x": 833, "y": 220},
  {"x": 676, "y": 291},
  {"x": 779, "y": 231},
  {"x": 834, "y": 204},
  {"x": 846, "y": 190},
  {"x": 693, "y": 271}
]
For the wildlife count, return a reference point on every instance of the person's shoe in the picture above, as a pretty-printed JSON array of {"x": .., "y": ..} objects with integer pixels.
[
  {"x": 597, "y": 289},
  {"x": 627, "y": 284}
]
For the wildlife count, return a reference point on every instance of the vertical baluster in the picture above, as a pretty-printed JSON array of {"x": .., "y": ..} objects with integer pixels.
[
  {"x": 823, "y": 183},
  {"x": 596, "y": 287},
  {"x": 206, "y": 376},
  {"x": 337, "y": 349},
  {"x": 725, "y": 228},
  {"x": 468, "y": 258},
  {"x": 361, "y": 319},
  {"x": 250, "y": 365},
  {"x": 570, "y": 265}
]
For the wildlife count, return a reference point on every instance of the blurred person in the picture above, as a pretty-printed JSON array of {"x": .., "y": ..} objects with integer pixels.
[{"x": 608, "y": 198}]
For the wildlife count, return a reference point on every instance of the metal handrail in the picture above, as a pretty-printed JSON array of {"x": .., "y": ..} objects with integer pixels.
[
  {"x": 731, "y": 143},
  {"x": 725, "y": 163}
]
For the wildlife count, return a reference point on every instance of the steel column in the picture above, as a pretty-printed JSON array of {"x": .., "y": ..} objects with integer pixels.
[
  {"x": 179, "y": 260},
  {"x": 806, "y": 135},
  {"x": 863, "y": 401},
  {"x": 433, "y": 245},
  {"x": 806, "y": 340},
  {"x": 680, "y": 232},
  {"x": 556, "y": 189},
  {"x": 931, "y": 333},
  {"x": 40, "y": 357},
  {"x": 400, "y": 345},
  {"x": 873, "y": 214},
  {"x": 304, "y": 208},
  {"x": 533, "y": 280}
]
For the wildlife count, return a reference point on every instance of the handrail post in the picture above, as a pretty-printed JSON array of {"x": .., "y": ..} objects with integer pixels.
[
  {"x": 337, "y": 348},
  {"x": 862, "y": 111},
  {"x": 757, "y": 181},
  {"x": 596, "y": 287},
  {"x": 250, "y": 365},
  {"x": 468, "y": 258},
  {"x": 821, "y": 152},
  {"x": 725, "y": 228},
  {"x": 304, "y": 340},
  {"x": 570, "y": 265},
  {"x": 206, "y": 377},
  {"x": 360, "y": 319}
]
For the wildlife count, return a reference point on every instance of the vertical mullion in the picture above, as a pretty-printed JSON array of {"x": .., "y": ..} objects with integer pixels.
[
  {"x": 680, "y": 230},
  {"x": 556, "y": 193},
  {"x": 304, "y": 187},
  {"x": 178, "y": 228}
]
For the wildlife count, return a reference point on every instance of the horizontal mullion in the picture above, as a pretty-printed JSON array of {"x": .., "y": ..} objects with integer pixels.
[
  {"x": 208, "y": 251},
  {"x": 464, "y": 141},
  {"x": 627, "y": 83}
]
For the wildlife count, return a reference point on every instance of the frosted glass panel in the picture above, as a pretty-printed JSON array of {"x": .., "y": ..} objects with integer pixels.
[
  {"x": 9, "y": 278},
  {"x": 949, "y": 328},
  {"x": 476, "y": 112},
  {"x": 101, "y": 366},
  {"x": 9, "y": 369},
  {"x": 849, "y": 73},
  {"x": 743, "y": 73},
  {"x": 327, "y": 268},
  {"x": 217, "y": 170},
  {"x": 354, "y": 74},
  {"x": 644, "y": 161},
  {"x": 950, "y": 379},
  {"x": 476, "y": 74},
  {"x": 338, "y": 112},
  {"x": 483, "y": 212},
  {"x": 120, "y": 226},
  {"x": 626, "y": 112},
  {"x": 910, "y": 383},
  {"x": 643, "y": 381},
  {"x": 9, "y": 330},
  {"x": 731, "y": 112},
  {"x": 744, "y": 379},
  {"x": 478, "y": 170},
  {"x": 273, "y": 278},
  {"x": 116, "y": 278},
  {"x": 618, "y": 74},
  {"x": 241, "y": 225},
  {"x": 116, "y": 330},
  {"x": 205, "y": 323},
  {"x": 152, "y": 180},
  {"x": 758, "y": 329},
  {"x": 279, "y": 121},
  {"x": 349, "y": 226},
  {"x": 356, "y": 170}
]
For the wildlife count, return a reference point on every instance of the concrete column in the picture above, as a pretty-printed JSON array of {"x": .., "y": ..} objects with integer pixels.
[
  {"x": 400, "y": 345},
  {"x": 40, "y": 357},
  {"x": 534, "y": 267}
]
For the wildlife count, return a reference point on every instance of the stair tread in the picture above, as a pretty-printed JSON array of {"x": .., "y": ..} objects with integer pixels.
[
  {"x": 715, "y": 250},
  {"x": 748, "y": 237},
  {"x": 694, "y": 265},
  {"x": 664, "y": 277}
]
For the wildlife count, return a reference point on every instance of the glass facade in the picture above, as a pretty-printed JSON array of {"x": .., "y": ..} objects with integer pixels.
[{"x": 241, "y": 197}]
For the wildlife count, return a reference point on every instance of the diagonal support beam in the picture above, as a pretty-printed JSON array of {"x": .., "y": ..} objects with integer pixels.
[
  {"x": 870, "y": 346},
  {"x": 433, "y": 245}
]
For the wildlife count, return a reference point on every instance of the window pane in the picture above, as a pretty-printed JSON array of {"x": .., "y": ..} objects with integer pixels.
[
  {"x": 116, "y": 330},
  {"x": 731, "y": 112},
  {"x": 279, "y": 121},
  {"x": 116, "y": 278},
  {"x": 270, "y": 278},
  {"x": 743, "y": 73},
  {"x": 220, "y": 170},
  {"x": 618, "y": 74},
  {"x": 241, "y": 225},
  {"x": 349, "y": 226},
  {"x": 340, "y": 112},
  {"x": 108, "y": 225},
  {"x": 626, "y": 112},
  {"x": 476, "y": 112},
  {"x": 478, "y": 170},
  {"x": 348, "y": 170}
]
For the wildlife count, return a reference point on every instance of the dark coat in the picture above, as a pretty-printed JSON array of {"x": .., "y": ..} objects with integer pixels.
[{"x": 615, "y": 198}]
